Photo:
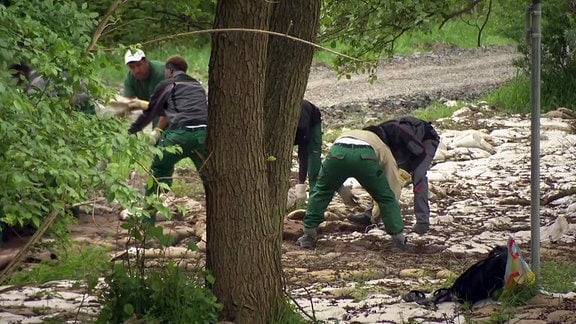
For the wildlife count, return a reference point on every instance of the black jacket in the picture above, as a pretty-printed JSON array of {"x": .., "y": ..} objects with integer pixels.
[
  {"x": 405, "y": 136},
  {"x": 182, "y": 99},
  {"x": 309, "y": 117}
]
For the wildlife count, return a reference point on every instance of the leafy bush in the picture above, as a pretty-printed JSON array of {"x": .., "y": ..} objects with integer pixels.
[
  {"x": 169, "y": 295},
  {"x": 558, "y": 59},
  {"x": 164, "y": 294},
  {"x": 50, "y": 153}
]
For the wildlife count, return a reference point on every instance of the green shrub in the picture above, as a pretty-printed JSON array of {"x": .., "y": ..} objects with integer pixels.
[{"x": 166, "y": 295}]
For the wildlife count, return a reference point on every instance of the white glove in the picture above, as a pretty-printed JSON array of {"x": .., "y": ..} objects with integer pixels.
[
  {"x": 155, "y": 136},
  {"x": 300, "y": 191},
  {"x": 125, "y": 214},
  {"x": 347, "y": 196},
  {"x": 137, "y": 104}
]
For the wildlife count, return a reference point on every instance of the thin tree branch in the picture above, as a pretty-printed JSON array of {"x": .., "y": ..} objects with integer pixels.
[
  {"x": 481, "y": 29},
  {"x": 124, "y": 24},
  {"x": 33, "y": 240},
  {"x": 544, "y": 201},
  {"x": 102, "y": 25},
  {"x": 456, "y": 13},
  {"x": 558, "y": 195},
  {"x": 258, "y": 31}
]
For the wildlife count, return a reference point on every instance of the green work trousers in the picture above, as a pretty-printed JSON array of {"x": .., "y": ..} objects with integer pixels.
[
  {"x": 192, "y": 141},
  {"x": 314, "y": 155},
  {"x": 360, "y": 162}
]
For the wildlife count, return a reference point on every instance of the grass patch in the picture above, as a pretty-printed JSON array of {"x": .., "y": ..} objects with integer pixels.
[
  {"x": 186, "y": 180},
  {"x": 74, "y": 264},
  {"x": 513, "y": 97},
  {"x": 452, "y": 34},
  {"x": 436, "y": 111},
  {"x": 455, "y": 34},
  {"x": 558, "y": 276}
]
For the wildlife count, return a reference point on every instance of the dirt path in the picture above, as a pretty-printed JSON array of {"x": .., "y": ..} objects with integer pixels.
[{"x": 448, "y": 73}]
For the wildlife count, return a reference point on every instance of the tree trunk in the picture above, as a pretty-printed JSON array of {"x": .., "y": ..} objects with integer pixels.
[
  {"x": 240, "y": 237},
  {"x": 286, "y": 78},
  {"x": 251, "y": 121}
]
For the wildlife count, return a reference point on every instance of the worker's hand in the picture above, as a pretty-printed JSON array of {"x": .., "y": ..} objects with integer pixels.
[
  {"x": 347, "y": 196},
  {"x": 137, "y": 104},
  {"x": 300, "y": 191},
  {"x": 155, "y": 136}
]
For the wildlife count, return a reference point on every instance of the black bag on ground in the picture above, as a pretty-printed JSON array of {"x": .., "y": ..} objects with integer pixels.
[
  {"x": 479, "y": 281},
  {"x": 476, "y": 283}
]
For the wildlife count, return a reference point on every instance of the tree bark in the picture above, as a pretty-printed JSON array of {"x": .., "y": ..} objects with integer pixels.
[
  {"x": 287, "y": 74},
  {"x": 239, "y": 229},
  {"x": 256, "y": 84}
]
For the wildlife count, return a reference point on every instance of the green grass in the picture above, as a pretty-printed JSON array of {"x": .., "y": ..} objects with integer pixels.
[
  {"x": 558, "y": 276},
  {"x": 436, "y": 111},
  {"x": 454, "y": 33},
  {"x": 74, "y": 264},
  {"x": 514, "y": 97}
]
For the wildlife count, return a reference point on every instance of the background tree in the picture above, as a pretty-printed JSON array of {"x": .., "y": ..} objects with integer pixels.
[
  {"x": 370, "y": 31},
  {"x": 158, "y": 17},
  {"x": 256, "y": 87}
]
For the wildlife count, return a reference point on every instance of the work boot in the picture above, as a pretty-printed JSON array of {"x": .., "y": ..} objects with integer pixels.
[
  {"x": 361, "y": 219},
  {"x": 399, "y": 242},
  {"x": 308, "y": 240},
  {"x": 421, "y": 228}
]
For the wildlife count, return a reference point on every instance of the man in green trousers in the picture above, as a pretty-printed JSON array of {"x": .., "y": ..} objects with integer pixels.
[
  {"x": 181, "y": 104},
  {"x": 360, "y": 154}
]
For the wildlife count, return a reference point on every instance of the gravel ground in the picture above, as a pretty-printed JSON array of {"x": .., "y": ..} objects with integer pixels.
[{"x": 417, "y": 79}]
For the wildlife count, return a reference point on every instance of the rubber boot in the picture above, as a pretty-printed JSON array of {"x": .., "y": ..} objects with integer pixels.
[{"x": 308, "y": 239}]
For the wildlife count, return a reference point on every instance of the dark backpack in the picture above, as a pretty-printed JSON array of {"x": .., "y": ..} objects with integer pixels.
[{"x": 479, "y": 281}]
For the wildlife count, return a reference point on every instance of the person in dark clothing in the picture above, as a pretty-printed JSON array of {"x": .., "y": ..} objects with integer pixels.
[
  {"x": 24, "y": 72},
  {"x": 309, "y": 141},
  {"x": 81, "y": 101},
  {"x": 181, "y": 103},
  {"x": 413, "y": 143}
]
